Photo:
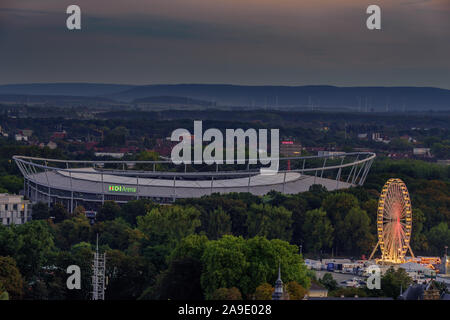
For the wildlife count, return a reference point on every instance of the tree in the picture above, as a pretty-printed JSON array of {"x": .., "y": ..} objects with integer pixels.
[
  {"x": 235, "y": 262},
  {"x": 297, "y": 205},
  {"x": 217, "y": 224},
  {"x": 36, "y": 245},
  {"x": 148, "y": 155},
  {"x": 109, "y": 211},
  {"x": 128, "y": 275},
  {"x": 13, "y": 184},
  {"x": 193, "y": 246},
  {"x": 171, "y": 223},
  {"x": 438, "y": 237},
  {"x": 317, "y": 231},
  {"x": 80, "y": 254},
  {"x": 328, "y": 282},
  {"x": 181, "y": 281},
  {"x": 133, "y": 209},
  {"x": 224, "y": 265},
  {"x": 393, "y": 280},
  {"x": 270, "y": 222},
  {"x": 419, "y": 241},
  {"x": 295, "y": 290},
  {"x": 3, "y": 294},
  {"x": 356, "y": 228},
  {"x": 116, "y": 136},
  {"x": 72, "y": 231},
  {"x": 118, "y": 234},
  {"x": 40, "y": 211},
  {"x": 226, "y": 294},
  {"x": 264, "y": 292},
  {"x": 58, "y": 212},
  {"x": 163, "y": 228},
  {"x": 337, "y": 206},
  {"x": 79, "y": 210},
  {"x": 10, "y": 278}
]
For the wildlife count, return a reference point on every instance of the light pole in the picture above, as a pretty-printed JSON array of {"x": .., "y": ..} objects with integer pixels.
[{"x": 301, "y": 247}]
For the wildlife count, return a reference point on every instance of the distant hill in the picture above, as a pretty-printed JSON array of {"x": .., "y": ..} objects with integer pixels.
[
  {"x": 377, "y": 98},
  {"x": 173, "y": 100},
  {"x": 352, "y": 98},
  {"x": 63, "y": 89},
  {"x": 50, "y": 99}
]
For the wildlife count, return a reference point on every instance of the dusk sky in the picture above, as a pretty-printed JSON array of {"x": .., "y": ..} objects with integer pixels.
[{"x": 250, "y": 42}]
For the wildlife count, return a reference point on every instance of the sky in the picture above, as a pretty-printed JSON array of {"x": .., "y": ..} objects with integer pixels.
[{"x": 248, "y": 42}]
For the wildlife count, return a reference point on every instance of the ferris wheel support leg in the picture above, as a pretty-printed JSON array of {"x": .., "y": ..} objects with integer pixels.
[
  {"x": 410, "y": 250},
  {"x": 374, "y": 250}
]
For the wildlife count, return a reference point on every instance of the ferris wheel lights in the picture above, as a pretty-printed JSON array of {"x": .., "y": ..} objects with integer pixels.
[{"x": 393, "y": 222}]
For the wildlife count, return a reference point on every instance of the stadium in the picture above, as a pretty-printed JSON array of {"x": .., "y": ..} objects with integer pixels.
[{"x": 91, "y": 183}]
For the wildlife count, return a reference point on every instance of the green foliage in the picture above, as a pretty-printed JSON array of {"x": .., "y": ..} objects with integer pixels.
[
  {"x": 30, "y": 244},
  {"x": 181, "y": 281},
  {"x": 317, "y": 231},
  {"x": 270, "y": 222},
  {"x": 356, "y": 227},
  {"x": 393, "y": 280},
  {"x": 133, "y": 209},
  {"x": 11, "y": 184},
  {"x": 236, "y": 262},
  {"x": 40, "y": 211},
  {"x": 217, "y": 223},
  {"x": 439, "y": 236},
  {"x": 328, "y": 282},
  {"x": 10, "y": 279},
  {"x": 128, "y": 275},
  {"x": 109, "y": 211},
  {"x": 171, "y": 223},
  {"x": 4, "y": 295},
  {"x": 58, "y": 212},
  {"x": 72, "y": 231}
]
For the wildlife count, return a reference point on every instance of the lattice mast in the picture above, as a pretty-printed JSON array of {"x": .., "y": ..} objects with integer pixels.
[{"x": 98, "y": 275}]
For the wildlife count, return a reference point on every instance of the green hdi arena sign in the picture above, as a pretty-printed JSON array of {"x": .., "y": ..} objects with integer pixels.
[{"x": 119, "y": 188}]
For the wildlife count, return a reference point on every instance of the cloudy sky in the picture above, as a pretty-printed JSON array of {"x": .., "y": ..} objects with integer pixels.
[{"x": 253, "y": 42}]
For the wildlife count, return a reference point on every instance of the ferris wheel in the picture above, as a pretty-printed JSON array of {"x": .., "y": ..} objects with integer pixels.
[{"x": 394, "y": 222}]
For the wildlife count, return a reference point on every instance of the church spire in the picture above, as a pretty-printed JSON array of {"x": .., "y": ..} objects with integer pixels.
[{"x": 278, "y": 293}]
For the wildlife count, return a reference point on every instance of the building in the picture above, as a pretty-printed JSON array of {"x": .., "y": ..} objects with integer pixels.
[
  {"x": 427, "y": 291},
  {"x": 422, "y": 152},
  {"x": 14, "y": 209},
  {"x": 289, "y": 148},
  {"x": 20, "y": 137},
  {"x": 317, "y": 291},
  {"x": 91, "y": 183}
]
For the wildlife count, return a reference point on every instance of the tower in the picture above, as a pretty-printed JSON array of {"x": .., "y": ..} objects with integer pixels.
[
  {"x": 98, "y": 275},
  {"x": 278, "y": 293}
]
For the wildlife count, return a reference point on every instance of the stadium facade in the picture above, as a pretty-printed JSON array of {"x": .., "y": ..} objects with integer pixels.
[{"x": 91, "y": 183}]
